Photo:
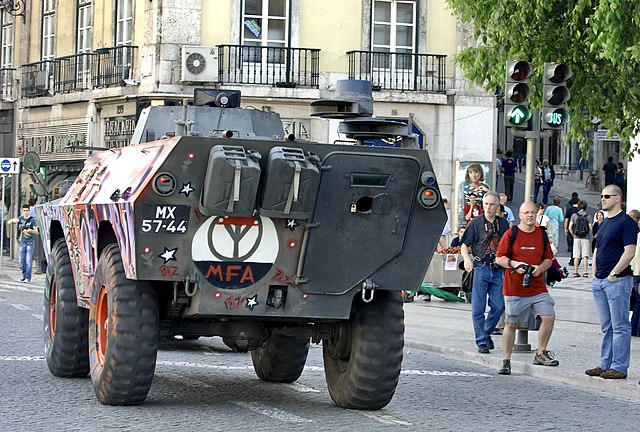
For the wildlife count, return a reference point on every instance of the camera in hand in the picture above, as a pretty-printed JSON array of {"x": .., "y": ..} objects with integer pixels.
[{"x": 528, "y": 272}]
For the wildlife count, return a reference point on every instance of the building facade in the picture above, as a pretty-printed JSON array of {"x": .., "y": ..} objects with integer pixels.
[{"x": 76, "y": 73}]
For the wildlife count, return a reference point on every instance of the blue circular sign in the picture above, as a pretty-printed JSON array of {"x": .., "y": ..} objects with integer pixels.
[{"x": 5, "y": 165}]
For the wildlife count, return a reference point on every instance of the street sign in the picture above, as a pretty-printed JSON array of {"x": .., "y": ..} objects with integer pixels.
[{"x": 9, "y": 165}]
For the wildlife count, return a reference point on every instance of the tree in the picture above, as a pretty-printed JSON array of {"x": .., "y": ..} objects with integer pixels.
[{"x": 598, "y": 39}]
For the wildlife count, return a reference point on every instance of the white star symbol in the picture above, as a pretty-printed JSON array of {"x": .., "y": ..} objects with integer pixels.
[
  {"x": 252, "y": 302},
  {"x": 168, "y": 255},
  {"x": 291, "y": 224},
  {"x": 186, "y": 189}
]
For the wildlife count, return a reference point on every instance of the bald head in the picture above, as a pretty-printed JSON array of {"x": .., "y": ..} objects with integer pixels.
[{"x": 528, "y": 212}]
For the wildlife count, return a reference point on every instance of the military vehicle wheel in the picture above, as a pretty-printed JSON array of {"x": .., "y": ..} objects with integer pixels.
[
  {"x": 281, "y": 358},
  {"x": 66, "y": 340},
  {"x": 363, "y": 358},
  {"x": 123, "y": 333}
]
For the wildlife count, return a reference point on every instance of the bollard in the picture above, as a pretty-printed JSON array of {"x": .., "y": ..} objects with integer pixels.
[{"x": 522, "y": 333}]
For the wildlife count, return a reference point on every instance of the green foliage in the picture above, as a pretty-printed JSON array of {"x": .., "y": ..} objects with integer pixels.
[{"x": 598, "y": 39}]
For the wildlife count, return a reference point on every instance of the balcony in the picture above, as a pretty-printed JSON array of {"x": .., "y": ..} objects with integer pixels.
[
  {"x": 7, "y": 84},
  {"x": 276, "y": 66},
  {"x": 106, "y": 67},
  {"x": 399, "y": 71}
]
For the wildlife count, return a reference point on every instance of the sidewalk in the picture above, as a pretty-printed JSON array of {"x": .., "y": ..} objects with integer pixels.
[{"x": 446, "y": 328}]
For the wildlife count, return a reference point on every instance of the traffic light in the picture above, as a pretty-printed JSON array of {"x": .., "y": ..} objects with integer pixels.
[
  {"x": 555, "y": 95},
  {"x": 516, "y": 94}
]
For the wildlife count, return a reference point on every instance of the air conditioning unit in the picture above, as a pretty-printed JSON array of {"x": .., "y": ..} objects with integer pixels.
[{"x": 199, "y": 64}]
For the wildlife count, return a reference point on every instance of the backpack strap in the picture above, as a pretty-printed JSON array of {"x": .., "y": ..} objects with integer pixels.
[{"x": 514, "y": 234}]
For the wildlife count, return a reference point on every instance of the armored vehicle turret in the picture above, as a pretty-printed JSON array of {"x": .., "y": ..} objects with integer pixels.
[{"x": 229, "y": 229}]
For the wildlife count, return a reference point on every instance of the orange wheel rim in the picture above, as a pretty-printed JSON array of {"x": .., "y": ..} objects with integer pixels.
[
  {"x": 102, "y": 322},
  {"x": 52, "y": 307}
]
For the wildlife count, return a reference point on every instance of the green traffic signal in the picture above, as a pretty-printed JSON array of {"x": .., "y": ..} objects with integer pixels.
[
  {"x": 557, "y": 117},
  {"x": 519, "y": 115}
]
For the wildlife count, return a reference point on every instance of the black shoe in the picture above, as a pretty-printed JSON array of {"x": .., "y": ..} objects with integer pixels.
[
  {"x": 506, "y": 368},
  {"x": 482, "y": 349},
  {"x": 490, "y": 345},
  {"x": 497, "y": 331}
]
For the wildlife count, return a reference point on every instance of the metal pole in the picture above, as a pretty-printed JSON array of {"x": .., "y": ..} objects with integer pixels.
[{"x": 2, "y": 221}]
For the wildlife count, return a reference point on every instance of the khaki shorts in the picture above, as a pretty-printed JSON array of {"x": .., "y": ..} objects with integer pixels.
[
  {"x": 517, "y": 309},
  {"x": 581, "y": 248}
]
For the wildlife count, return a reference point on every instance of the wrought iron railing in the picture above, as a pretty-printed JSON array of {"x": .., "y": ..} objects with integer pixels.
[
  {"x": 37, "y": 78},
  {"x": 276, "y": 66},
  {"x": 73, "y": 73},
  {"x": 399, "y": 71},
  {"x": 103, "y": 68},
  {"x": 7, "y": 84},
  {"x": 111, "y": 66}
]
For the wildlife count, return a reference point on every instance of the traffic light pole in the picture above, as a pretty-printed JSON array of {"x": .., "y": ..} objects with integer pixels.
[{"x": 522, "y": 336}]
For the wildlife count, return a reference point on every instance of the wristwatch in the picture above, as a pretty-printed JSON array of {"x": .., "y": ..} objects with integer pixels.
[{"x": 613, "y": 274}]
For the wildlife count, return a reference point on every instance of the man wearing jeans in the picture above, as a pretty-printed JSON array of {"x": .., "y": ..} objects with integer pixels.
[
  {"x": 478, "y": 249},
  {"x": 27, "y": 228},
  {"x": 611, "y": 286}
]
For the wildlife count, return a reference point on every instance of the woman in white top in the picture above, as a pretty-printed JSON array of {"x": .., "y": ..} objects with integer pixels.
[{"x": 542, "y": 220}]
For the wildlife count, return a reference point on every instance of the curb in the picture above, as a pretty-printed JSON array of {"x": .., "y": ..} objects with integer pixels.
[{"x": 618, "y": 387}]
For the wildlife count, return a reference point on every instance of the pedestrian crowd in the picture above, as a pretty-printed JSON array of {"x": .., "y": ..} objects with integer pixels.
[{"x": 509, "y": 262}]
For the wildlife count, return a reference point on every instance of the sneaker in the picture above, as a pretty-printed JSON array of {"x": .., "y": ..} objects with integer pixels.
[
  {"x": 595, "y": 372},
  {"x": 506, "y": 368},
  {"x": 22, "y": 280},
  {"x": 490, "y": 345},
  {"x": 613, "y": 374},
  {"x": 545, "y": 359},
  {"x": 482, "y": 349}
]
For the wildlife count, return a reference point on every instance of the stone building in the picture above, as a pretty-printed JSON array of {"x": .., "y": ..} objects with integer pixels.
[{"x": 75, "y": 74}]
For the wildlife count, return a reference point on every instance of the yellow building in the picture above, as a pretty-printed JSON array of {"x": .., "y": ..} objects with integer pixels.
[{"x": 75, "y": 74}]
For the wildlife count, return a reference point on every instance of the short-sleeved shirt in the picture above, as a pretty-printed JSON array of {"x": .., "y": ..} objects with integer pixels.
[
  {"x": 574, "y": 218},
  {"x": 570, "y": 212},
  {"x": 509, "y": 213},
  {"x": 478, "y": 232},
  {"x": 23, "y": 224},
  {"x": 477, "y": 210},
  {"x": 509, "y": 166},
  {"x": 527, "y": 248},
  {"x": 614, "y": 233}
]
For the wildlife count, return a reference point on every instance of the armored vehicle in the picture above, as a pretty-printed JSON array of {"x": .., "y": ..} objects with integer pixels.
[{"x": 230, "y": 228}]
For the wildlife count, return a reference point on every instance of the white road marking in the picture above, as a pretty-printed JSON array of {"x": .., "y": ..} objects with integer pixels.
[
  {"x": 20, "y": 306},
  {"x": 38, "y": 316},
  {"x": 301, "y": 388},
  {"x": 384, "y": 418},
  {"x": 209, "y": 351},
  {"x": 201, "y": 365},
  {"x": 19, "y": 286},
  {"x": 444, "y": 373},
  {"x": 21, "y": 358},
  {"x": 272, "y": 412}
]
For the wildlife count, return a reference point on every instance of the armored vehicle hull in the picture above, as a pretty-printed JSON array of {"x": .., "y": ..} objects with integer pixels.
[{"x": 268, "y": 244}]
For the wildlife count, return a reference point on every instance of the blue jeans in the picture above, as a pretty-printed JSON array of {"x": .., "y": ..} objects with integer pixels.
[
  {"x": 546, "y": 188},
  {"x": 486, "y": 282},
  {"x": 536, "y": 191},
  {"x": 612, "y": 303},
  {"x": 635, "y": 317},
  {"x": 26, "y": 259}
]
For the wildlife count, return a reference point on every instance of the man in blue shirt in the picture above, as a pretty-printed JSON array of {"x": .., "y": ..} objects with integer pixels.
[
  {"x": 27, "y": 229},
  {"x": 611, "y": 286}
]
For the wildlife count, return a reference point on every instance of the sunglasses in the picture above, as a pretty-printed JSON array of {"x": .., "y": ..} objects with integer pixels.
[{"x": 608, "y": 196}]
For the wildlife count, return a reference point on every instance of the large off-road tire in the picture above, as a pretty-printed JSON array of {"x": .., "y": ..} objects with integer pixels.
[
  {"x": 281, "y": 358},
  {"x": 66, "y": 345},
  {"x": 363, "y": 358},
  {"x": 123, "y": 333}
]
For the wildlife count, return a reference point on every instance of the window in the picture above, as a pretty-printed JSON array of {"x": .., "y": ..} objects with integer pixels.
[
  {"x": 84, "y": 34},
  {"x": 393, "y": 30},
  {"x": 6, "y": 37},
  {"x": 84, "y": 42},
  {"x": 124, "y": 22},
  {"x": 264, "y": 23},
  {"x": 48, "y": 29}
]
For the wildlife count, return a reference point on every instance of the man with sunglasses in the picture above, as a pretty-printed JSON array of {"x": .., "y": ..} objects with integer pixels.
[{"x": 611, "y": 286}]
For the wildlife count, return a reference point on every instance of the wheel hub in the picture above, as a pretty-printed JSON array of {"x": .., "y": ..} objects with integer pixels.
[
  {"x": 102, "y": 323},
  {"x": 52, "y": 307}
]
